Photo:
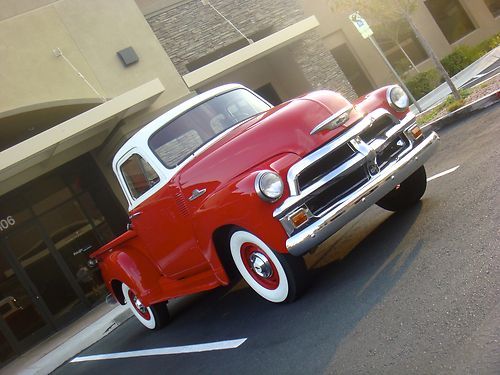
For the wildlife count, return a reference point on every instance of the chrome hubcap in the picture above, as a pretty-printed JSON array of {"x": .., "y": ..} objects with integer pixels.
[
  {"x": 260, "y": 265},
  {"x": 138, "y": 305}
]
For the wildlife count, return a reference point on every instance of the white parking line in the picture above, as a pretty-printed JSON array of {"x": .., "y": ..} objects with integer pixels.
[
  {"x": 219, "y": 345},
  {"x": 443, "y": 173}
]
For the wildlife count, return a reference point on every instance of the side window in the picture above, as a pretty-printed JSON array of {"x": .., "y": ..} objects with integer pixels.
[{"x": 138, "y": 175}]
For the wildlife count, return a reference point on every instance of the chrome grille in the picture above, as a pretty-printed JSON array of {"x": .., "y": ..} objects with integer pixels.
[
  {"x": 392, "y": 151},
  {"x": 334, "y": 192},
  {"x": 326, "y": 177},
  {"x": 377, "y": 128},
  {"x": 323, "y": 166}
]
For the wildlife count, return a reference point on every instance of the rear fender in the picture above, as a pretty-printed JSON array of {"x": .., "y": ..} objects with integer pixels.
[{"x": 128, "y": 265}]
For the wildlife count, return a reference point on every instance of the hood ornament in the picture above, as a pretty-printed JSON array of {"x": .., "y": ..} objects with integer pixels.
[{"x": 334, "y": 121}]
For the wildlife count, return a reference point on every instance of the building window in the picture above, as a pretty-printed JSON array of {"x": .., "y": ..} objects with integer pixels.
[
  {"x": 451, "y": 18},
  {"x": 269, "y": 93},
  {"x": 493, "y": 6},
  {"x": 352, "y": 70},
  {"x": 400, "y": 45}
]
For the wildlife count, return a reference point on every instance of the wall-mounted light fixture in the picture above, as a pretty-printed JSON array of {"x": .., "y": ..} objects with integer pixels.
[{"x": 128, "y": 56}]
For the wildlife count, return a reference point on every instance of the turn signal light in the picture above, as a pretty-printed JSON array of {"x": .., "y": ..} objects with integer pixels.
[
  {"x": 416, "y": 132},
  {"x": 298, "y": 218}
]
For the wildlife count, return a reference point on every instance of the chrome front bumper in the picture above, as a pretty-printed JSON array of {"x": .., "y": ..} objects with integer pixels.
[{"x": 358, "y": 201}]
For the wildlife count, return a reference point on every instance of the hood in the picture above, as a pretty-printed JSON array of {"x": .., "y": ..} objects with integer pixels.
[{"x": 284, "y": 129}]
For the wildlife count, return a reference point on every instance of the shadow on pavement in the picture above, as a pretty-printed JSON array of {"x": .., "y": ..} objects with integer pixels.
[{"x": 301, "y": 337}]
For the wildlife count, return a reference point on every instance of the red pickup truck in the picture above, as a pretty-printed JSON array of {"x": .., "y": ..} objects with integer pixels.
[{"x": 226, "y": 181}]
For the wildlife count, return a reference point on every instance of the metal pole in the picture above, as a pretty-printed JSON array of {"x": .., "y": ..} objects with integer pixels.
[
  {"x": 403, "y": 86},
  {"x": 407, "y": 57}
]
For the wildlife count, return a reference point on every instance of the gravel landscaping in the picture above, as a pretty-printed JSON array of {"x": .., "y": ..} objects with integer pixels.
[{"x": 469, "y": 96}]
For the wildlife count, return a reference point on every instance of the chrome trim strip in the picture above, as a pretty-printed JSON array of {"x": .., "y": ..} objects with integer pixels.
[
  {"x": 360, "y": 200},
  {"x": 323, "y": 124}
]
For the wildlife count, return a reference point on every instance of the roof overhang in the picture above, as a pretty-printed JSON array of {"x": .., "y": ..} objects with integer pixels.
[
  {"x": 252, "y": 52},
  {"x": 71, "y": 138}
]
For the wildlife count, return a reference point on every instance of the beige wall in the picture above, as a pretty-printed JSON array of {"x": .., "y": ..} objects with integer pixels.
[
  {"x": 11, "y": 8},
  {"x": 89, "y": 33},
  {"x": 287, "y": 80},
  {"x": 336, "y": 29}
]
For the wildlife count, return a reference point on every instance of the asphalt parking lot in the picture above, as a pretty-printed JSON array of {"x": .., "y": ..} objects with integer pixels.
[{"x": 411, "y": 292}]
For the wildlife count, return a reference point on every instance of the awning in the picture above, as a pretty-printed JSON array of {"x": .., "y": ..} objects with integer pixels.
[
  {"x": 252, "y": 52},
  {"x": 72, "y": 138}
]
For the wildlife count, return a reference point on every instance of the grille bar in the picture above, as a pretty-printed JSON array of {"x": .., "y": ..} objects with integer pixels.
[
  {"x": 333, "y": 193},
  {"x": 377, "y": 128},
  {"x": 323, "y": 166}
]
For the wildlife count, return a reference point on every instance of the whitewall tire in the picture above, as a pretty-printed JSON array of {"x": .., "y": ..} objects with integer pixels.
[
  {"x": 275, "y": 277},
  {"x": 152, "y": 317}
]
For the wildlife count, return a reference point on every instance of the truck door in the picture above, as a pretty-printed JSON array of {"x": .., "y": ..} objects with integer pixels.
[{"x": 160, "y": 219}]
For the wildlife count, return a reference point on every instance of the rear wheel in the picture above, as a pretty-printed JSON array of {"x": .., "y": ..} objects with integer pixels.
[
  {"x": 152, "y": 317},
  {"x": 407, "y": 193},
  {"x": 274, "y": 276}
]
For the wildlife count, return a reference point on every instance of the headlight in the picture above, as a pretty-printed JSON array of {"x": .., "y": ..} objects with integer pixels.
[
  {"x": 269, "y": 186},
  {"x": 397, "y": 98}
]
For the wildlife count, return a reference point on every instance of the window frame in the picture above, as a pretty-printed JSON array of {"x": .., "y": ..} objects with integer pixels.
[{"x": 133, "y": 200}]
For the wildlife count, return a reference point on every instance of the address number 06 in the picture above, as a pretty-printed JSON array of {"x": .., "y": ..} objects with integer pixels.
[{"x": 7, "y": 222}]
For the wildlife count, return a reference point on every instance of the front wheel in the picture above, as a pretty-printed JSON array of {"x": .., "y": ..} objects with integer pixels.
[
  {"x": 407, "y": 193},
  {"x": 274, "y": 276},
  {"x": 153, "y": 317}
]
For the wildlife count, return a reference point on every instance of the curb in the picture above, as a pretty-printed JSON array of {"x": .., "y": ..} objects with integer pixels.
[
  {"x": 450, "y": 118},
  {"x": 57, "y": 350}
]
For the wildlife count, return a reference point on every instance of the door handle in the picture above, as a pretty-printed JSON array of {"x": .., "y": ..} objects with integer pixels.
[
  {"x": 135, "y": 214},
  {"x": 196, "y": 194}
]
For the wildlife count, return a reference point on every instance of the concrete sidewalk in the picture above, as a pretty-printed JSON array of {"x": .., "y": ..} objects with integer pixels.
[
  {"x": 67, "y": 343},
  {"x": 470, "y": 73}
]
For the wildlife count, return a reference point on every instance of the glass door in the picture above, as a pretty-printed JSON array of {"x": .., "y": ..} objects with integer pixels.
[
  {"x": 47, "y": 229},
  {"x": 38, "y": 261},
  {"x": 22, "y": 321},
  {"x": 74, "y": 235}
]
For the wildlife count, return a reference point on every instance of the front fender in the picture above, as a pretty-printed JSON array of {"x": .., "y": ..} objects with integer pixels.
[
  {"x": 377, "y": 99},
  {"x": 237, "y": 204}
]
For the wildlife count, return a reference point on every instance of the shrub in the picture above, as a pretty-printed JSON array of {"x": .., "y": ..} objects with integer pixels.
[
  {"x": 423, "y": 83},
  {"x": 460, "y": 58},
  {"x": 454, "y": 105},
  {"x": 489, "y": 44},
  {"x": 494, "y": 42}
]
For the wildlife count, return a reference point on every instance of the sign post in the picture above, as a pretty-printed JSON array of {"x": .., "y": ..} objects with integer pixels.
[{"x": 367, "y": 33}]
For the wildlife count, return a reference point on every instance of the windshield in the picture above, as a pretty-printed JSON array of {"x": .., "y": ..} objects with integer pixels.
[{"x": 181, "y": 137}]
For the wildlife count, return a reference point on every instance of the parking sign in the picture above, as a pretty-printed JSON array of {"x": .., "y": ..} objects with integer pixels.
[{"x": 361, "y": 25}]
